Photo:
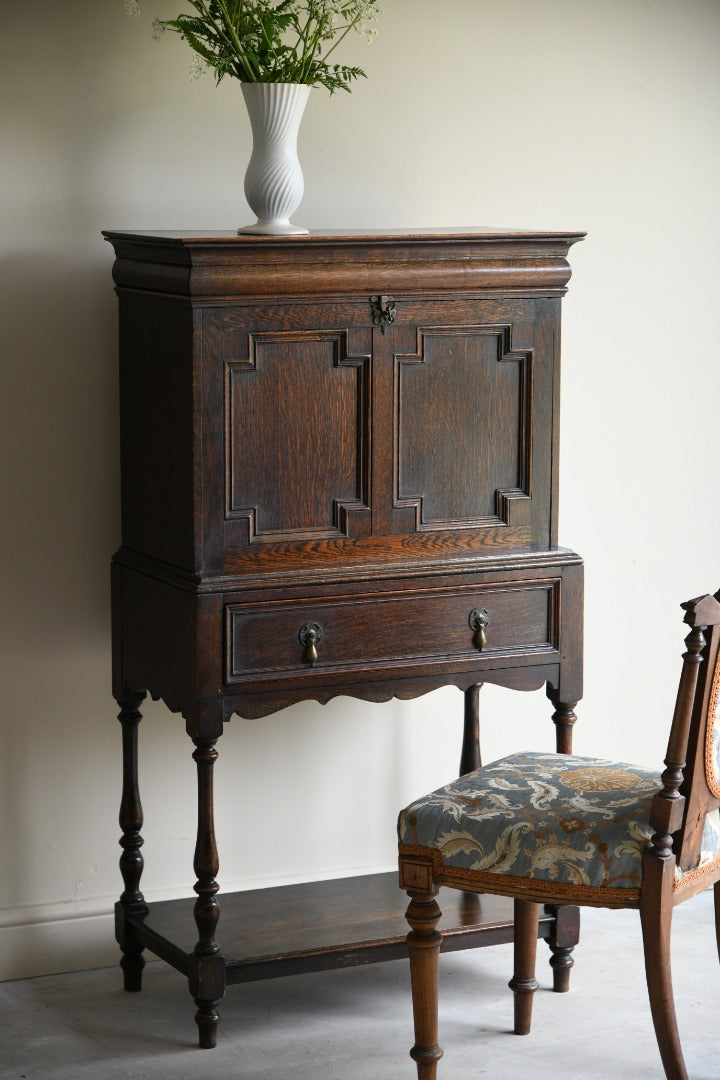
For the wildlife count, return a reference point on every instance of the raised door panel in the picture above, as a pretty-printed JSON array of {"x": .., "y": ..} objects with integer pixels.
[
  {"x": 473, "y": 411},
  {"x": 295, "y": 452},
  {"x": 473, "y": 392},
  {"x": 296, "y": 437}
]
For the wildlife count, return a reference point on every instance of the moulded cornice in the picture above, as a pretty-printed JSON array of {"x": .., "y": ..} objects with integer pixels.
[{"x": 213, "y": 266}]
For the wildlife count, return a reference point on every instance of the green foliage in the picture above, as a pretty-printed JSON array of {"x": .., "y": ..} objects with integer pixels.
[{"x": 272, "y": 40}]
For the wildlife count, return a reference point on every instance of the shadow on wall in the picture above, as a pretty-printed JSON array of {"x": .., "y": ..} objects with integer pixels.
[
  {"x": 60, "y": 482},
  {"x": 61, "y": 468}
]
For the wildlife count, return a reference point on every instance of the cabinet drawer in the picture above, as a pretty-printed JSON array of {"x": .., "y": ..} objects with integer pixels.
[{"x": 383, "y": 630}]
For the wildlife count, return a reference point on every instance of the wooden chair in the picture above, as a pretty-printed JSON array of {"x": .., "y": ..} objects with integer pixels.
[{"x": 560, "y": 829}]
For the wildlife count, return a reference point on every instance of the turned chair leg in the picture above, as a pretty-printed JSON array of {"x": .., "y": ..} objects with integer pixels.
[
  {"x": 523, "y": 983},
  {"x": 564, "y": 938},
  {"x": 424, "y": 941},
  {"x": 656, "y": 920}
]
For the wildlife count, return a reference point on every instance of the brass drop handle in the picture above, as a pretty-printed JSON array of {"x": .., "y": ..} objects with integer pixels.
[
  {"x": 310, "y": 636},
  {"x": 479, "y": 621}
]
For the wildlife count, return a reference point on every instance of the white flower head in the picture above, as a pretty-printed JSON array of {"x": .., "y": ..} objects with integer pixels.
[
  {"x": 132, "y": 7},
  {"x": 198, "y": 67},
  {"x": 367, "y": 13}
]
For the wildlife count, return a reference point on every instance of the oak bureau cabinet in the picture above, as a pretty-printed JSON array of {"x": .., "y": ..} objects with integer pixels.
[{"x": 339, "y": 476}]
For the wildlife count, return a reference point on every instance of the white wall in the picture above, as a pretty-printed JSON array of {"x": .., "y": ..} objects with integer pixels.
[{"x": 566, "y": 114}]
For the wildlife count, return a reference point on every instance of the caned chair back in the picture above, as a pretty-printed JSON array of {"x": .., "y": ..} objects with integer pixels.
[{"x": 685, "y": 813}]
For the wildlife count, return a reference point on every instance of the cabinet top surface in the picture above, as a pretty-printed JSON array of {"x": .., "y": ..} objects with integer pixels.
[{"x": 190, "y": 237}]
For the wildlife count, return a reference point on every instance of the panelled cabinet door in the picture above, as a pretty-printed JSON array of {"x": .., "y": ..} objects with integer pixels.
[
  {"x": 293, "y": 383},
  {"x": 473, "y": 418}
]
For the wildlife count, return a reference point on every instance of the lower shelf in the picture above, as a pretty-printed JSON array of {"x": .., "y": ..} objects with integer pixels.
[{"x": 266, "y": 933}]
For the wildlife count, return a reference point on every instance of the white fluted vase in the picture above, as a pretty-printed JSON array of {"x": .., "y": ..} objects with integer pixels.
[{"x": 274, "y": 181}]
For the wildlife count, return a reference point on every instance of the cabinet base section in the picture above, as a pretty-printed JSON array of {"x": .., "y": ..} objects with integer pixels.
[{"x": 292, "y": 929}]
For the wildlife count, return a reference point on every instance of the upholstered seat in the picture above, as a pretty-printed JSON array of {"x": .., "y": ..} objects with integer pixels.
[
  {"x": 569, "y": 821},
  {"x": 561, "y": 829},
  {"x": 580, "y": 824}
]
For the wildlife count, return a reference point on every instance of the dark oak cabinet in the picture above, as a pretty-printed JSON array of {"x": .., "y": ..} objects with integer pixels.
[{"x": 339, "y": 476}]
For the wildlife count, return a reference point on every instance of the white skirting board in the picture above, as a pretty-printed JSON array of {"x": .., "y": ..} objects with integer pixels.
[{"x": 53, "y": 938}]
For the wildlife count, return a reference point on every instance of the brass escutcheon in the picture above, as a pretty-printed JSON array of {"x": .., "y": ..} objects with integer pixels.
[{"x": 384, "y": 310}]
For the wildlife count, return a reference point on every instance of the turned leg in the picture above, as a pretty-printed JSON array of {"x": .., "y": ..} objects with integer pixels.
[
  {"x": 523, "y": 983},
  {"x": 564, "y": 719},
  {"x": 565, "y": 936},
  {"x": 423, "y": 941},
  {"x": 470, "y": 756},
  {"x": 207, "y": 975},
  {"x": 132, "y": 902}
]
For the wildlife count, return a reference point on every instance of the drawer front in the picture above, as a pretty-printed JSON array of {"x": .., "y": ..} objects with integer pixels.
[{"x": 394, "y": 630}]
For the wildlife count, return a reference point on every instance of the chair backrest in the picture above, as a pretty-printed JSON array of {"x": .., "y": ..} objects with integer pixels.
[{"x": 691, "y": 780}]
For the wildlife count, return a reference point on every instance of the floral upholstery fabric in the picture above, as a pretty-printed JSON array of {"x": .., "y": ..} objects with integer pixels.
[{"x": 549, "y": 817}]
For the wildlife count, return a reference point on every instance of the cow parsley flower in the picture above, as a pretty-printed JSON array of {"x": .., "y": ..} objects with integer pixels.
[{"x": 271, "y": 40}]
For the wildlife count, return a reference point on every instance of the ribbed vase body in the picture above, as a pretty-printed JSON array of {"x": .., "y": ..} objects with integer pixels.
[{"x": 274, "y": 180}]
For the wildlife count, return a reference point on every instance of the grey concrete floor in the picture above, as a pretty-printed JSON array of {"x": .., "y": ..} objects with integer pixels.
[{"x": 356, "y": 1024}]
